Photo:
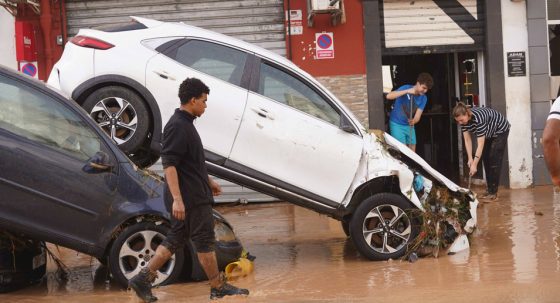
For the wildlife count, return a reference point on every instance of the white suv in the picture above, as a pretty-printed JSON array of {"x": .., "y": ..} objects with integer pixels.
[{"x": 269, "y": 126}]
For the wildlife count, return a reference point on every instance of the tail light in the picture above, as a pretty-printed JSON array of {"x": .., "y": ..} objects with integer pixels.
[{"x": 84, "y": 41}]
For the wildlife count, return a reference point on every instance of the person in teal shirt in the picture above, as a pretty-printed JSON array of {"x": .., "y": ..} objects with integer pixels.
[{"x": 407, "y": 109}]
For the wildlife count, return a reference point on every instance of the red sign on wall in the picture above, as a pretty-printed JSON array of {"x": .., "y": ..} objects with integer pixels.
[{"x": 324, "y": 46}]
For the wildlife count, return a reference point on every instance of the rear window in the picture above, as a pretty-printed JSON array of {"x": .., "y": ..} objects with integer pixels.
[{"x": 129, "y": 26}]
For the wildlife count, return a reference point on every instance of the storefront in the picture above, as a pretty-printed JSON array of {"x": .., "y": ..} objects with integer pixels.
[
  {"x": 445, "y": 39},
  {"x": 376, "y": 45}
]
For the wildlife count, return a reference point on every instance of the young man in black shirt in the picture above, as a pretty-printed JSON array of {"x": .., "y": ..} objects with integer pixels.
[{"x": 188, "y": 196}]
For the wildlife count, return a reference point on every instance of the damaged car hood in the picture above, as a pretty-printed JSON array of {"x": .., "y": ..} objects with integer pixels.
[{"x": 414, "y": 156}]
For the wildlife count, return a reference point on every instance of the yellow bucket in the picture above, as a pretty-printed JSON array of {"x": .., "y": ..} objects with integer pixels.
[{"x": 239, "y": 268}]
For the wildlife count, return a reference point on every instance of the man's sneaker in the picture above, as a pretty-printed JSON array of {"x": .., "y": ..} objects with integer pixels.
[
  {"x": 227, "y": 290},
  {"x": 491, "y": 198},
  {"x": 142, "y": 285}
]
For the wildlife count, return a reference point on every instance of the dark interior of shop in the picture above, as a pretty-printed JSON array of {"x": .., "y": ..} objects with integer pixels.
[{"x": 436, "y": 132}]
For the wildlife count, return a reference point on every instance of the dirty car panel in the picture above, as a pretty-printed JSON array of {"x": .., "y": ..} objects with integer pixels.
[{"x": 64, "y": 181}]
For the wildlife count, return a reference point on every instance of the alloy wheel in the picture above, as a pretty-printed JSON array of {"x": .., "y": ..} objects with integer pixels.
[
  {"x": 387, "y": 228},
  {"x": 138, "y": 250},
  {"x": 117, "y": 117}
]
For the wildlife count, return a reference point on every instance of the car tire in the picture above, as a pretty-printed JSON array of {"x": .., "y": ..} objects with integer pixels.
[
  {"x": 135, "y": 246},
  {"x": 129, "y": 109},
  {"x": 375, "y": 235},
  {"x": 144, "y": 158}
]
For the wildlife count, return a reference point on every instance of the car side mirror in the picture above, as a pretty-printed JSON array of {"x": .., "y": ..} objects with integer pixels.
[
  {"x": 346, "y": 125},
  {"x": 100, "y": 162}
]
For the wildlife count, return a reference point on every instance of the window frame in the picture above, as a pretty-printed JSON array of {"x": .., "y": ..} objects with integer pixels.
[
  {"x": 255, "y": 85},
  {"x": 549, "y": 22},
  {"x": 41, "y": 90},
  {"x": 169, "y": 49}
]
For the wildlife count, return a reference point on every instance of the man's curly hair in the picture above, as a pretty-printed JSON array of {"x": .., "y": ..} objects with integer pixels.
[
  {"x": 426, "y": 79},
  {"x": 192, "y": 88}
]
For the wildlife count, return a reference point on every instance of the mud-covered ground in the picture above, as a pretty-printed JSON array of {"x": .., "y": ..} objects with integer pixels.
[{"x": 305, "y": 257}]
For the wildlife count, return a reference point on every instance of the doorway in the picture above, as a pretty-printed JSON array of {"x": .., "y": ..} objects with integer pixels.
[{"x": 436, "y": 133}]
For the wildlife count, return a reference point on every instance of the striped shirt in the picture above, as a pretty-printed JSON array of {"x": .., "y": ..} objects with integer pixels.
[
  {"x": 555, "y": 110},
  {"x": 486, "y": 122}
]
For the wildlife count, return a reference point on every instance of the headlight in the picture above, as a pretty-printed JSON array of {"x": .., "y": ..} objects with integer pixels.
[{"x": 223, "y": 232}]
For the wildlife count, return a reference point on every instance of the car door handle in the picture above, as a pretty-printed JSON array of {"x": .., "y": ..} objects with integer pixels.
[
  {"x": 164, "y": 75},
  {"x": 263, "y": 113}
]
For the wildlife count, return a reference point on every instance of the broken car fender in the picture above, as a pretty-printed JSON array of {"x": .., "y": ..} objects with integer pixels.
[{"x": 379, "y": 163}]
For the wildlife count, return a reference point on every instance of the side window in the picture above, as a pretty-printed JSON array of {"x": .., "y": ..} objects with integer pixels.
[
  {"x": 29, "y": 113},
  {"x": 286, "y": 89},
  {"x": 216, "y": 60}
]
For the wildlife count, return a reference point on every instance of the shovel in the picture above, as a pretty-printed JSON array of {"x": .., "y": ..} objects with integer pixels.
[
  {"x": 470, "y": 177},
  {"x": 410, "y": 116}
]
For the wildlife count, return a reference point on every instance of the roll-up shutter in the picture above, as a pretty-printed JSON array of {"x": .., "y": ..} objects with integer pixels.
[
  {"x": 432, "y": 26},
  {"x": 260, "y": 22}
]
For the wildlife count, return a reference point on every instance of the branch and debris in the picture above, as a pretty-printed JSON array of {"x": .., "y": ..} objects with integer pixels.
[
  {"x": 444, "y": 215},
  {"x": 62, "y": 270},
  {"x": 445, "y": 212},
  {"x": 151, "y": 181}
]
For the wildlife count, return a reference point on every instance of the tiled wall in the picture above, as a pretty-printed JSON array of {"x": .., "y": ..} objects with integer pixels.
[{"x": 352, "y": 91}]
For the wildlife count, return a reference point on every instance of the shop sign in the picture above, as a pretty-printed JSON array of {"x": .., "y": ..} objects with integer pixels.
[{"x": 516, "y": 64}]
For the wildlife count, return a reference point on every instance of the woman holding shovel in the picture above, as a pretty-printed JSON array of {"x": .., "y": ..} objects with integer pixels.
[
  {"x": 491, "y": 130},
  {"x": 407, "y": 110}
]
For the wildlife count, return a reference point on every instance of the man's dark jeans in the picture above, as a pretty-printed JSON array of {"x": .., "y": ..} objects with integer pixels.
[{"x": 492, "y": 157}]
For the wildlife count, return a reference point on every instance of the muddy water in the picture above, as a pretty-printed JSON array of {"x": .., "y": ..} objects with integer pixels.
[{"x": 305, "y": 257}]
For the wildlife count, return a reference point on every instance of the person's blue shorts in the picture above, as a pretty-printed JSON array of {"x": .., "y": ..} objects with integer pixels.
[{"x": 403, "y": 133}]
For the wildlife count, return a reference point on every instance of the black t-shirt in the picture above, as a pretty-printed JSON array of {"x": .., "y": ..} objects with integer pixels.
[{"x": 183, "y": 149}]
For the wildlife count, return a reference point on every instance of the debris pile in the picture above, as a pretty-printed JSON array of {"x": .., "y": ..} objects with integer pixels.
[{"x": 441, "y": 221}]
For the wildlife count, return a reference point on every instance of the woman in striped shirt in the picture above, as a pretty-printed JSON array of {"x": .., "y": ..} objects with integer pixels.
[{"x": 491, "y": 130}]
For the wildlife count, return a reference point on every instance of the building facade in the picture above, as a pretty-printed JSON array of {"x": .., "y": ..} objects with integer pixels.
[{"x": 499, "y": 54}]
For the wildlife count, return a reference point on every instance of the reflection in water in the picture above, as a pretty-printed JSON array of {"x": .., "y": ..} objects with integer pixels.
[
  {"x": 523, "y": 238},
  {"x": 305, "y": 257},
  {"x": 556, "y": 225}
]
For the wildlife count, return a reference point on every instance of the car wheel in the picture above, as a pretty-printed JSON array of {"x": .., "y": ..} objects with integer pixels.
[
  {"x": 144, "y": 158},
  {"x": 122, "y": 114},
  {"x": 383, "y": 226},
  {"x": 135, "y": 246}
]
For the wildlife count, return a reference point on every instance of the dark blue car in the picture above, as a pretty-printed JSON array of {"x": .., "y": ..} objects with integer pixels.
[{"x": 62, "y": 180}]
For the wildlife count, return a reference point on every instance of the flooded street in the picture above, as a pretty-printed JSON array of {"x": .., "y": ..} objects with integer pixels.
[{"x": 305, "y": 257}]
